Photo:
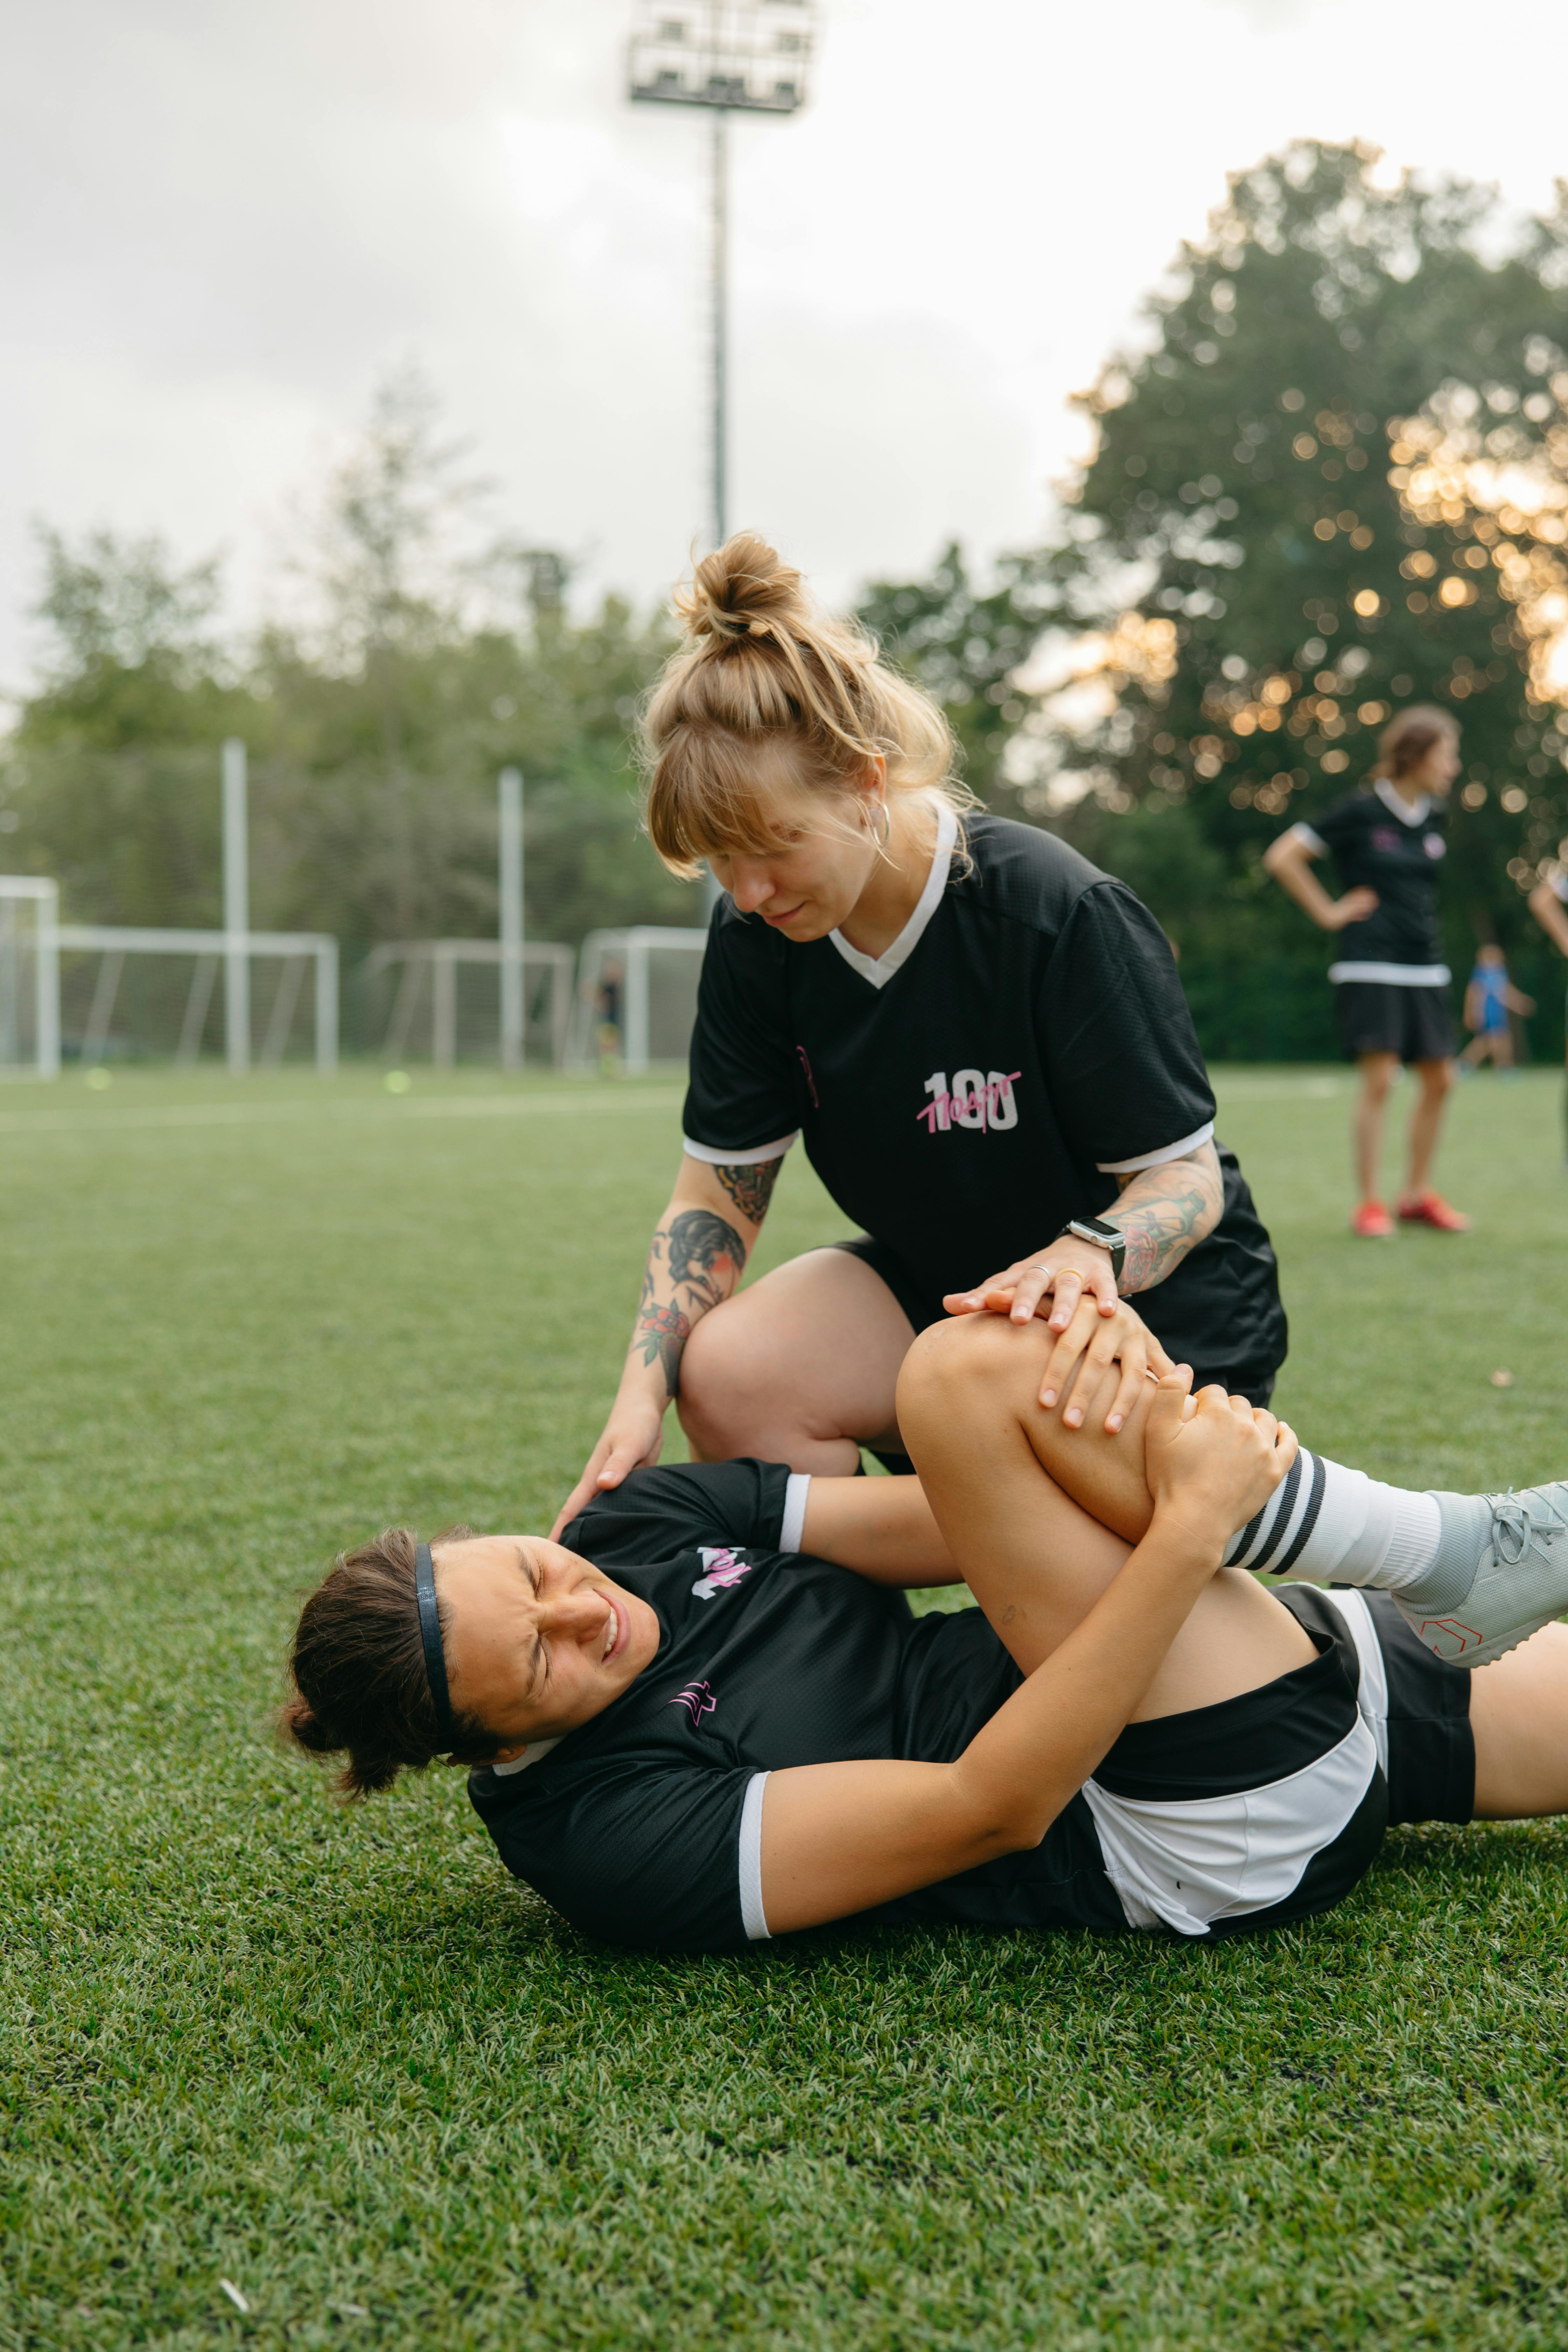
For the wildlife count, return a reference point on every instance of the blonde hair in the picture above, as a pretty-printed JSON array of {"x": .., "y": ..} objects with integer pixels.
[
  {"x": 769, "y": 699},
  {"x": 1410, "y": 735}
]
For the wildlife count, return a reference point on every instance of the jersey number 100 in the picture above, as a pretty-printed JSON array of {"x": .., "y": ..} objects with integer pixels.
[{"x": 972, "y": 1100}]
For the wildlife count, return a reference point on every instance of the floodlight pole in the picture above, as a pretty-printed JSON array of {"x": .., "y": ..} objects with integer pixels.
[
  {"x": 235, "y": 908},
  {"x": 510, "y": 789},
  {"x": 719, "y": 296}
]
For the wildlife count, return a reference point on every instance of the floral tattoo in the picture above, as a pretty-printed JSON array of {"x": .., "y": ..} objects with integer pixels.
[{"x": 705, "y": 1257}]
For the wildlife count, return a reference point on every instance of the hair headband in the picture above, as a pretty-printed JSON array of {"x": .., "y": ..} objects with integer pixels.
[{"x": 430, "y": 1635}]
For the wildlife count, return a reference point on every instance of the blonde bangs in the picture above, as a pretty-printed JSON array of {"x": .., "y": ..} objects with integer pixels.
[{"x": 766, "y": 722}]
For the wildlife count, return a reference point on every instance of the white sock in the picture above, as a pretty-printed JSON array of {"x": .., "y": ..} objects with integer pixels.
[{"x": 1327, "y": 1524}]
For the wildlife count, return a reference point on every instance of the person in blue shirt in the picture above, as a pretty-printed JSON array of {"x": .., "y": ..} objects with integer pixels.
[{"x": 1489, "y": 998}]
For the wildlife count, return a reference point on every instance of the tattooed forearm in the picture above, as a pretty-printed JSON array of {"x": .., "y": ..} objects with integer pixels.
[
  {"x": 1165, "y": 1213},
  {"x": 751, "y": 1186},
  {"x": 662, "y": 1332},
  {"x": 707, "y": 1256},
  {"x": 694, "y": 1263}
]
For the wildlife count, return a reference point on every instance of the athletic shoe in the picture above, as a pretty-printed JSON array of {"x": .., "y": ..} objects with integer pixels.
[
  {"x": 1373, "y": 1222},
  {"x": 1500, "y": 1573},
  {"x": 1431, "y": 1209}
]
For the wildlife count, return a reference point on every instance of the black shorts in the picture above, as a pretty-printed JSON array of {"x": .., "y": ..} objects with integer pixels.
[
  {"x": 1255, "y": 1812},
  {"x": 921, "y": 1309},
  {"x": 1386, "y": 1016}
]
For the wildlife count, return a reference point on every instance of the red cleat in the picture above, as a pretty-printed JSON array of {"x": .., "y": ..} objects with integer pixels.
[
  {"x": 1371, "y": 1222},
  {"x": 1431, "y": 1209}
]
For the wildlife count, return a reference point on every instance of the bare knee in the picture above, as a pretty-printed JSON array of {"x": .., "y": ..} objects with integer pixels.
[
  {"x": 1436, "y": 1079},
  {"x": 718, "y": 1374},
  {"x": 973, "y": 1361},
  {"x": 1378, "y": 1075}
]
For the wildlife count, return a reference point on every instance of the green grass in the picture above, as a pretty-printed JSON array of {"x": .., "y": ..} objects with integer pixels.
[{"x": 340, "y": 2060}]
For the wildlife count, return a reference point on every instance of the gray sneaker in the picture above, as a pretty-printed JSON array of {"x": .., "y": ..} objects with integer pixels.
[{"x": 1500, "y": 1573}]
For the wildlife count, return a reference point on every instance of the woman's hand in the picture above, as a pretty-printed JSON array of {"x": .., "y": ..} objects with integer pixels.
[
  {"x": 1353, "y": 908},
  {"x": 1074, "y": 1306},
  {"x": 632, "y": 1440},
  {"x": 1211, "y": 1466}
]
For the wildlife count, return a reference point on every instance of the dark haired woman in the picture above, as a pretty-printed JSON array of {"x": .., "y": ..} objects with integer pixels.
[
  {"x": 980, "y": 1038},
  {"x": 693, "y": 1730},
  {"x": 1387, "y": 843}
]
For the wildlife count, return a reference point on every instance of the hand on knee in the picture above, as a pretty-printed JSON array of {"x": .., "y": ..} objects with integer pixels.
[{"x": 966, "y": 1363}]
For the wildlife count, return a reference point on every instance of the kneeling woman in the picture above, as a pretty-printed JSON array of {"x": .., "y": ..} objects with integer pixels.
[{"x": 694, "y": 1730}]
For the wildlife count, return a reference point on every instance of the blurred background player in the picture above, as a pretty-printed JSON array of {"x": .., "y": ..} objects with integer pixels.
[
  {"x": 1387, "y": 843},
  {"x": 1548, "y": 902},
  {"x": 1490, "y": 998}
]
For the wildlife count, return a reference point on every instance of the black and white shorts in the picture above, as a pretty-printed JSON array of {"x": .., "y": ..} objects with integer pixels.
[
  {"x": 1271, "y": 1807},
  {"x": 1384, "y": 1017}
]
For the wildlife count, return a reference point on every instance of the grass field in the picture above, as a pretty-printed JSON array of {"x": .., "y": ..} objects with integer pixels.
[{"x": 340, "y": 2061}]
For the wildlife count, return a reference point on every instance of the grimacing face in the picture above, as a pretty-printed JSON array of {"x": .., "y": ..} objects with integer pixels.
[{"x": 537, "y": 1640}]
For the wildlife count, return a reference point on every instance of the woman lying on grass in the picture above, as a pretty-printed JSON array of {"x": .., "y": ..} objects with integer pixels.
[{"x": 713, "y": 1717}]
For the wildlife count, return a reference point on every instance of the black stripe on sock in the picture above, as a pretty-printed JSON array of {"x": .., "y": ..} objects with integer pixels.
[
  {"x": 1308, "y": 1517},
  {"x": 1236, "y": 1558},
  {"x": 1286, "y": 1502}
]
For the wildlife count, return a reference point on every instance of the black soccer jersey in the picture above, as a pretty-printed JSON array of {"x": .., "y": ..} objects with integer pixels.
[
  {"x": 643, "y": 1826},
  {"x": 1021, "y": 1043},
  {"x": 1374, "y": 839}
]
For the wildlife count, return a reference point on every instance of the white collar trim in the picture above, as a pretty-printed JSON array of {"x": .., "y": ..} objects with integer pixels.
[
  {"x": 879, "y": 970},
  {"x": 1401, "y": 808},
  {"x": 530, "y": 1755}
]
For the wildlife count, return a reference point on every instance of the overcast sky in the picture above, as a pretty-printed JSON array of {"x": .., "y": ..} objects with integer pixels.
[{"x": 223, "y": 221}]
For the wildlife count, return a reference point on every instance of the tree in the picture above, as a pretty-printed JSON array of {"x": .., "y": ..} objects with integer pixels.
[{"x": 1331, "y": 481}]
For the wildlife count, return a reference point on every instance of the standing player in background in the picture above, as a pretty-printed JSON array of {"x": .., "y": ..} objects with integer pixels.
[
  {"x": 1489, "y": 998},
  {"x": 1548, "y": 902},
  {"x": 980, "y": 1038},
  {"x": 1387, "y": 842}
]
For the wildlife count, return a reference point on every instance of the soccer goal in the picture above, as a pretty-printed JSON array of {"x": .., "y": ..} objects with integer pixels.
[
  {"x": 458, "y": 986},
  {"x": 639, "y": 986},
  {"x": 148, "y": 993},
  {"x": 29, "y": 977}
]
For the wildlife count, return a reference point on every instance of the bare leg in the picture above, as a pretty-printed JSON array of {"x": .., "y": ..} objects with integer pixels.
[
  {"x": 1378, "y": 1072},
  {"x": 1518, "y": 1714},
  {"x": 801, "y": 1367},
  {"x": 1427, "y": 1119},
  {"x": 993, "y": 1465}
]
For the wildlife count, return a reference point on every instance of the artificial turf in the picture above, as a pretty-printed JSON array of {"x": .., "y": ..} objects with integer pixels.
[{"x": 338, "y": 2059}]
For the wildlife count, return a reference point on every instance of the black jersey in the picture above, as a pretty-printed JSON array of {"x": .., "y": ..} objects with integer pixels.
[
  {"x": 637, "y": 1827},
  {"x": 1374, "y": 839},
  {"x": 644, "y": 1827},
  {"x": 1023, "y": 1043}
]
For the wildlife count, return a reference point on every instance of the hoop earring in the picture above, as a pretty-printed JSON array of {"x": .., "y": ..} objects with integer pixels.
[{"x": 887, "y": 828}]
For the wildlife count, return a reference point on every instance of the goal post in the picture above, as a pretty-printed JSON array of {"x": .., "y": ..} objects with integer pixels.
[
  {"x": 642, "y": 981},
  {"x": 29, "y": 976},
  {"x": 534, "y": 996},
  {"x": 299, "y": 951}
]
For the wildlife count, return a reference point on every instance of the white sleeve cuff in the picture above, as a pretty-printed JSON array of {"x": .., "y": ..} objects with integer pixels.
[
  {"x": 1156, "y": 1158},
  {"x": 791, "y": 1528},
  {"x": 1313, "y": 843},
  {"x": 759, "y": 1151},
  {"x": 752, "y": 1916}
]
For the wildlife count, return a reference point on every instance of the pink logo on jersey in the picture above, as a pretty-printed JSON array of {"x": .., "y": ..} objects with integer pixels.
[
  {"x": 1385, "y": 839},
  {"x": 722, "y": 1567},
  {"x": 810, "y": 1081},
  {"x": 698, "y": 1698},
  {"x": 977, "y": 1098}
]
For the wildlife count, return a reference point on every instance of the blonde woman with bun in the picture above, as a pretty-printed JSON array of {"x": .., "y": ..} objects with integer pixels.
[
  {"x": 1391, "y": 984},
  {"x": 981, "y": 1039}
]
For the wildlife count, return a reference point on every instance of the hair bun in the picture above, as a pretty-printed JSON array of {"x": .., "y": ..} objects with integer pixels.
[{"x": 744, "y": 589}]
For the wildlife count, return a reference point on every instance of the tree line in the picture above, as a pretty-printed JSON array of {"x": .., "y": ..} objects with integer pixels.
[{"x": 1330, "y": 476}]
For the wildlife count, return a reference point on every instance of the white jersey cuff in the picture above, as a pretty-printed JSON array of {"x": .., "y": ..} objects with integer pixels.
[
  {"x": 747, "y": 1158},
  {"x": 752, "y": 1916},
  {"x": 1395, "y": 975},
  {"x": 1156, "y": 1158},
  {"x": 791, "y": 1528},
  {"x": 1312, "y": 842}
]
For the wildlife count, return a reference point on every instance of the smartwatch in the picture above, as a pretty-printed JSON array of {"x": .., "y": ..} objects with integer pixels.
[{"x": 1104, "y": 1236}]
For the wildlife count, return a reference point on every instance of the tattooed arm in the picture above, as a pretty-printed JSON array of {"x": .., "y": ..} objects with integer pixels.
[
  {"x": 1164, "y": 1212},
  {"x": 695, "y": 1262}
]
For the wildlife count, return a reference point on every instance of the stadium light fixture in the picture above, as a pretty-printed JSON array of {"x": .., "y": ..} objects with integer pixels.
[{"x": 728, "y": 56}]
